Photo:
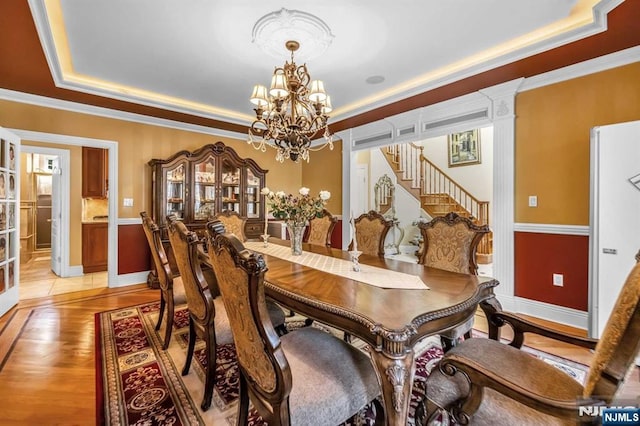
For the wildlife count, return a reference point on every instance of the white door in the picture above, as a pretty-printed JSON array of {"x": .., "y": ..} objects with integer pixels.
[
  {"x": 615, "y": 216},
  {"x": 56, "y": 217},
  {"x": 9, "y": 220}
]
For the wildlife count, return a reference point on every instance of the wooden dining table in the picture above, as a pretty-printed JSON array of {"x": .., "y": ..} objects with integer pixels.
[{"x": 390, "y": 321}]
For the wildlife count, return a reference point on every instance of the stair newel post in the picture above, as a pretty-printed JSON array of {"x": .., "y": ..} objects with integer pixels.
[{"x": 422, "y": 170}]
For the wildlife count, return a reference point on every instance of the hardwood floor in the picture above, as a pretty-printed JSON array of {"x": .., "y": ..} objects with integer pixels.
[{"x": 47, "y": 372}]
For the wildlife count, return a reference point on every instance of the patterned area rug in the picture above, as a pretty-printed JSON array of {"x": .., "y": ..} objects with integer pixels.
[{"x": 140, "y": 384}]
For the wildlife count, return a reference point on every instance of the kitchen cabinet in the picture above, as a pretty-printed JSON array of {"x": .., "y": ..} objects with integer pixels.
[
  {"x": 197, "y": 185},
  {"x": 95, "y": 238},
  {"x": 95, "y": 172}
]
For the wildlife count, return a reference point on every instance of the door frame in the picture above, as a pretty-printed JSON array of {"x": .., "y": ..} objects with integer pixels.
[
  {"x": 112, "y": 147},
  {"x": 64, "y": 156}
]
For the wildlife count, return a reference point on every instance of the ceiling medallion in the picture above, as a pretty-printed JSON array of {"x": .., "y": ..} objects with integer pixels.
[
  {"x": 293, "y": 111},
  {"x": 275, "y": 29}
]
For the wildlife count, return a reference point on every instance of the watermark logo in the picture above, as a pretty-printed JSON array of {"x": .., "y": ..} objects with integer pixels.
[
  {"x": 621, "y": 416},
  {"x": 622, "y": 413}
]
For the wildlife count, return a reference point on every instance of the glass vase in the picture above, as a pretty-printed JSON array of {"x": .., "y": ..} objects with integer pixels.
[{"x": 296, "y": 232}]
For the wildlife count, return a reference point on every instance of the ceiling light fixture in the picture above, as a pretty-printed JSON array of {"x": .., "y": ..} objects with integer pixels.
[{"x": 291, "y": 113}]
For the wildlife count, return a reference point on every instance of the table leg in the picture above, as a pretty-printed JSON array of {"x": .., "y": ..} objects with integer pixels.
[{"x": 395, "y": 373}]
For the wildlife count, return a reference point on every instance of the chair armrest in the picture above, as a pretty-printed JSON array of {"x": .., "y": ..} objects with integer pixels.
[
  {"x": 521, "y": 326},
  {"x": 479, "y": 378}
]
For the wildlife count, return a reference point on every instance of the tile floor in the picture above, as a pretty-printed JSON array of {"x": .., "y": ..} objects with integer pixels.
[{"x": 37, "y": 280}]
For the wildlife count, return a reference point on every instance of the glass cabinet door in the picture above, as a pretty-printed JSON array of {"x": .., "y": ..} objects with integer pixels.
[
  {"x": 230, "y": 186},
  {"x": 252, "y": 196},
  {"x": 204, "y": 189},
  {"x": 175, "y": 179}
]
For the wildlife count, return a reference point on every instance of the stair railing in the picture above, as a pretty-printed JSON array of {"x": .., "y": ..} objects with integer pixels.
[{"x": 413, "y": 167}]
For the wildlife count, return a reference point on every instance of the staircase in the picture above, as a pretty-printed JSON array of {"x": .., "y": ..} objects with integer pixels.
[{"x": 437, "y": 193}]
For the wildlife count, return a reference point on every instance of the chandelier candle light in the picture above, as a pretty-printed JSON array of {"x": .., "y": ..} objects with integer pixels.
[
  {"x": 296, "y": 211},
  {"x": 291, "y": 113}
]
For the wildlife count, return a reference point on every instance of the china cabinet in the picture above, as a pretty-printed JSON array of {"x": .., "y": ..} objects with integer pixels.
[{"x": 197, "y": 185}]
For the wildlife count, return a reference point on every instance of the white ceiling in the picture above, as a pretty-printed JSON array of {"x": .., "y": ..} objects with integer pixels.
[{"x": 198, "y": 55}]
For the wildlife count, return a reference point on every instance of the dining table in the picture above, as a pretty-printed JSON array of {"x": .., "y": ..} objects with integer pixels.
[{"x": 391, "y": 305}]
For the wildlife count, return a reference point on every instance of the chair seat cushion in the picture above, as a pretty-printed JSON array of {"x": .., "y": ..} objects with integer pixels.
[
  {"x": 179, "y": 295},
  {"x": 518, "y": 367},
  {"x": 275, "y": 313},
  {"x": 221, "y": 323},
  {"x": 332, "y": 380}
]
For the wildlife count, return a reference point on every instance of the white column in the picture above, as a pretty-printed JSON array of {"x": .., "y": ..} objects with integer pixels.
[
  {"x": 348, "y": 164},
  {"x": 502, "y": 97}
]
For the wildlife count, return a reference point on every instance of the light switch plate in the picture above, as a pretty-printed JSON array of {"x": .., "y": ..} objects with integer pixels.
[
  {"x": 127, "y": 202},
  {"x": 533, "y": 201}
]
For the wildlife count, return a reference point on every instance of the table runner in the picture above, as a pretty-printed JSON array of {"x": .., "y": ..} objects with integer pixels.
[{"x": 372, "y": 275}]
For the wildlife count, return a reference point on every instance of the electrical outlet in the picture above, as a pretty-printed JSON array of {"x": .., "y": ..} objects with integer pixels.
[
  {"x": 127, "y": 202},
  {"x": 533, "y": 201},
  {"x": 558, "y": 280}
]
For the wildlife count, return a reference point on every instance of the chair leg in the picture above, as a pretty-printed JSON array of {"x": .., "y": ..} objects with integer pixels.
[
  {"x": 170, "y": 314},
  {"x": 161, "y": 313},
  {"x": 210, "y": 379},
  {"x": 347, "y": 337},
  {"x": 291, "y": 313},
  {"x": 447, "y": 343},
  {"x": 380, "y": 414},
  {"x": 192, "y": 345},
  {"x": 281, "y": 330},
  {"x": 243, "y": 402}
]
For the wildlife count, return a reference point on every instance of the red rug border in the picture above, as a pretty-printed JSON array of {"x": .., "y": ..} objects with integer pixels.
[{"x": 97, "y": 323}]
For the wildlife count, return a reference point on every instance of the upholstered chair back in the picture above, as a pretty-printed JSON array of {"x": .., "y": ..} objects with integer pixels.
[
  {"x": 185, "y": 249},
  {"x": 450, "y": 243},
  {"x": 371, "y": 230},
  {"x": 159, "y": 256},
  {"x": 619, "y": 343},
  {"x": 241, "y": 281},
  {"x": 233, "y": 223},
  {"x": 321, "y": 228}
]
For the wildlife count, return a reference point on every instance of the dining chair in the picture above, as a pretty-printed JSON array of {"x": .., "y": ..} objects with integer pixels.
[
  {"x": 482, "y": 381},
  {"x": 321, "y": 228},
  {"x": 307, "y": 377},
  {"x": 233, "y": 223},
  {"x": 450, "y": 243},
  {"x": 371, "y": 230},
  {"x": 207, "y": 315},
  {"x": 170, "y": 282}
]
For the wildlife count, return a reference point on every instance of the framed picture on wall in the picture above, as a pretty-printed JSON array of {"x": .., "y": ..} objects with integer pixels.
[{"x": 464, "y": 148}]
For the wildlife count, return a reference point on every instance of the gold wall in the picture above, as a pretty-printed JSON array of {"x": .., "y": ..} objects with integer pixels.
[
  {"x": 137, "y": 144},
  {"x": 324, "y": 173},
  {"x": 553, "y": 141}
]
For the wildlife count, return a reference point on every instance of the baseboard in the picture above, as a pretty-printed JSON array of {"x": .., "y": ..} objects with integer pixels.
[
  {"x": 75, "y": 271},
  {"x": 568, "y": 316},
  {"x": 130, "y": 279}
]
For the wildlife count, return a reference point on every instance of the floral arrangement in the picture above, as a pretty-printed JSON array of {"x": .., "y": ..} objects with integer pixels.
[{"x": 295, "y": 208}]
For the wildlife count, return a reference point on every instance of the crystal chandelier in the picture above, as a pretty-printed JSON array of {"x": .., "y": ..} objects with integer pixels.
[{"x": 291, "y": 112}]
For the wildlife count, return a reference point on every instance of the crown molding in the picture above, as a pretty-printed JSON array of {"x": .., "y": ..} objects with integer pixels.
[
  {"x": 598, "y": 25},
  {"x": 38, "y": 10},
  {"x": 27, "y": 98},
  {"x": 543, "y": 228},
  {"x": 43, "y": 28},
  {"x": 602, "y": 63}
]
